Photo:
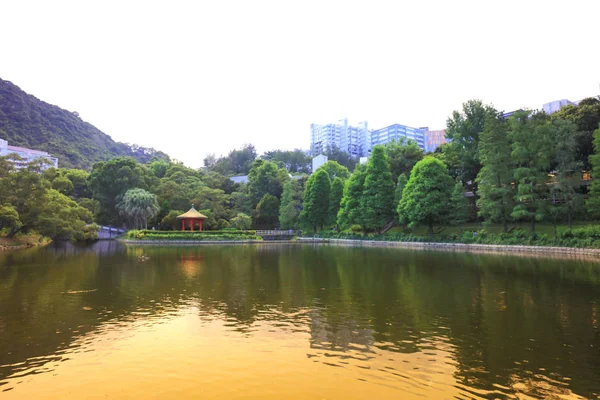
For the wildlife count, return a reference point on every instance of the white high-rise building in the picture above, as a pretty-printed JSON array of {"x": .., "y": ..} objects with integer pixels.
[{"x": 354, "y": 140}]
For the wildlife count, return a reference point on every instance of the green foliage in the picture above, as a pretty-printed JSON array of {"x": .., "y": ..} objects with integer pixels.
[
  {"x": 350, "y": 212},
  {"x": 425, "y": 197},
  {"x": 267, "y": 211},
  {"x": 402, "y": 156},
  {"x": 170, "y": 221},
  {"x": 459, "y": 206},
  {"x": 463, "y": 130},
  {"x": 9, "y": 217},
  {"x": 241, "y": 221},
  {"x": 377, "y": 200},
  {"x": 566, "y": 199},
  {"x": 291, "y": 203},
  {"x": 59, "y": 217},
  {"x": 266, "y": 177},
  {"x": 63, "y": 185},
  {"x": 137, "y": 206},
  {"x": 335, "y": 170},
  {"x": 532, "y": 141},
  {"x": 335, "y": 198},
  {"x": 237, "y": 162},
  {"x": 29, "y": 122},
  {"x": 495, "y": 190},
  {"x": 111, "y": 179},
  {"x": 195, "y": 236},
  {"x": 401, "y": 183},
  {"x": 586, "y": 115},
  {"x": 341, "y": 157},
  {"x": 316, "y": 200},
  {"x": 593, "y": 202},
  {"x": 294, "y": 161}
]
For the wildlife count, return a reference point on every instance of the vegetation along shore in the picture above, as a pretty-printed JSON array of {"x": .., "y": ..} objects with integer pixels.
[{"x": 521, "y": 179}]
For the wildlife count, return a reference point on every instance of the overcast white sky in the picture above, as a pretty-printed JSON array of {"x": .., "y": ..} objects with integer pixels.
[{"x": 197, "y": 77}]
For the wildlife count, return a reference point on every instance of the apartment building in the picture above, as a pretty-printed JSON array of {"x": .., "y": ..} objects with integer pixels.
[{"x": 27, "y": 155}]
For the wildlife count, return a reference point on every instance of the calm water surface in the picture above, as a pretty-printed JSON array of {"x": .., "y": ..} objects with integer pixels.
[{"x": 295, "y": 321}]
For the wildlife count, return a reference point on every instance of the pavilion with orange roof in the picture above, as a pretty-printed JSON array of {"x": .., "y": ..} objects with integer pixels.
[{"x": 190, "y": 218}]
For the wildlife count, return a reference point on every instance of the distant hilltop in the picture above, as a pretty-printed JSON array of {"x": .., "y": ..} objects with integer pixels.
[{"x": 28, "y": 122}]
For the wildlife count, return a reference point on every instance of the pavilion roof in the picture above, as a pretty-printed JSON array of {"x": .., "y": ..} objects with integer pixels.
[{"x": 192, "y": 214}]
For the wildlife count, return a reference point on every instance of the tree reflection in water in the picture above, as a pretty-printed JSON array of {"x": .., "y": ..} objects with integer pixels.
[{"x": 504, "y": 324}]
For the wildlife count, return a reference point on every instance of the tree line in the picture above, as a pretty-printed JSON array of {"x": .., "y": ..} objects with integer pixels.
[{"x": 496, "y": 168}]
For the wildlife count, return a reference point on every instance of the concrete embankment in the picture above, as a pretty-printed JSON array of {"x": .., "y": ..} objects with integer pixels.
[
  {"x": 473, "y": 248},
  {"x": 545, "y": 250}
]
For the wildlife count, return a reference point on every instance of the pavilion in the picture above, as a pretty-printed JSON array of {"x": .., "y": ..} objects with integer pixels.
[{"x": 190, "y": 218}]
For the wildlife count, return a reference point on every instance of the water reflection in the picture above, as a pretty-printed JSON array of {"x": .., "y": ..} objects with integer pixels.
[{"x": 429, "y": 324}]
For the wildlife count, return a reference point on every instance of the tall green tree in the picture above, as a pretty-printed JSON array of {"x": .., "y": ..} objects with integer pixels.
[
  {"x": 291, "y": 203},
  {"x": 350, "y": 209},
  {"x": 565, "y": 190},
  {"x": 335, "y": 198},
  {"x": 60, "y": 217},
  {"x": 459, "y": 206},
  {"x": 495, "y": 190},
  {"x": 425, "y": 197},
  {"x": 593, "y": 202},
  {"x": 463, "y": 130},
  {"x": 403, "y": 155},
  {"x": 402, "y": 180},
  {"x": 532, "y": 141},
  {"x": 111, "y": 179},
  {"x": 266, "y": 177},
  {"x": 316, "y": 200},
  {"x": 586, "y": 115},
  {"x": 377, "y": 200},
  {"x": 137, "y": 206},
  {"x": 267, "y": 211}
]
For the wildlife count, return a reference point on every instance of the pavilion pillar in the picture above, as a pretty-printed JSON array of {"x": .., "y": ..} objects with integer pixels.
[
  {"x": 183, "y": 224},
  {"x": 200, "y": 221},
  {"x": 192, "y": 225}
]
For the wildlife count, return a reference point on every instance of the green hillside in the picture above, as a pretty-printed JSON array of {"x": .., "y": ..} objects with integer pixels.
[{"x": 29, "y": 122}]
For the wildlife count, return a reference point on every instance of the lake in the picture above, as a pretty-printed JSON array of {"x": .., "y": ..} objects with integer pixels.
[{"x": 276, "y": 321}]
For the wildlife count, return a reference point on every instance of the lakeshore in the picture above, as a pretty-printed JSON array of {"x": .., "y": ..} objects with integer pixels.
[
  {"x": 23, "y": 242},
  {"x": 548, "y": 251}
]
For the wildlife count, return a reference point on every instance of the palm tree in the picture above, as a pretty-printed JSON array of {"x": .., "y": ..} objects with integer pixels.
[{"x": 137, "y": 206}]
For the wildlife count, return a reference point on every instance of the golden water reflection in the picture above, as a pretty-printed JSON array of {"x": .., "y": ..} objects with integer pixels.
[{"x": 295, "y": 322}]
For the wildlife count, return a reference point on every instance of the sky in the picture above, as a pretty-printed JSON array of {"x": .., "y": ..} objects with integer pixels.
[{"x": 196, "y": 77}]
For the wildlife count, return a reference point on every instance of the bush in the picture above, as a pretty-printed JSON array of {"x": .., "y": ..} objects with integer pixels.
[
  {"x": 189, "y": 235},
  {"x": 588, "y": 237}
]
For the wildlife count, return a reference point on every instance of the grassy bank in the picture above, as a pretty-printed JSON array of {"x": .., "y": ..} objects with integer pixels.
[
  {"x": 22, "y": 242},
  {"x": 227, "y": 235},
  {"x": 583, "y": 236}
]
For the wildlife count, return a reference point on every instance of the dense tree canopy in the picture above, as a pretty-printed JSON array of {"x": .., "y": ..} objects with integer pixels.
[
  {"x": 377, "y": 200},
  {"x": 402, "y": 156},
  {"x": 426, "y": 194},
  {"x": 496, "y": 192},
  {"x": 350, "y": 206},
  {"x": 316, "y": 200}
]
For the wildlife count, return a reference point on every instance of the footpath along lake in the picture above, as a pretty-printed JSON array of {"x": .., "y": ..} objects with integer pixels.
[{"x": 295, "y": 322}]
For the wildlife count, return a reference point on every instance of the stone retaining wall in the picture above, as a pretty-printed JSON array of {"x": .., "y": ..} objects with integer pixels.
[
  {"x": 480, "y": 248},
  {"x": 470, "y": 247}
]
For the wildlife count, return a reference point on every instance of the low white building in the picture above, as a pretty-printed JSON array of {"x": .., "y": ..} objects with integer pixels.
[
  {"x": 318, "y": 161},
  {"x": 239, "y": 179},
  {"x": 27, "y": 155}
]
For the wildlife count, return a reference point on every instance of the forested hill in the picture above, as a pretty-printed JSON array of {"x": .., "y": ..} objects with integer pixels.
[{"x": 29, "y": 122}]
